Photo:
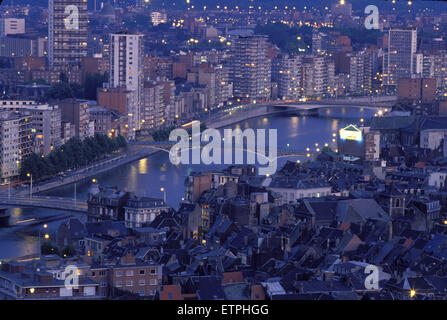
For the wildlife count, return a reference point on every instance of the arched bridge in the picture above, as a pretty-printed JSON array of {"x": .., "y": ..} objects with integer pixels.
[{"x": 167, "y": 145}]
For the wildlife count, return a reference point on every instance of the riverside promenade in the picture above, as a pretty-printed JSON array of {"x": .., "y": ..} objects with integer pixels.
[{"x": 134, "y": 154}]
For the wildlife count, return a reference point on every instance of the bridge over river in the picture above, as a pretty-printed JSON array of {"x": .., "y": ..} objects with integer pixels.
[{"x": 55, "y": 203}]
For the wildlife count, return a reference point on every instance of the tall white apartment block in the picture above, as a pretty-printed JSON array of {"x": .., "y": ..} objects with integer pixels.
[
  {"x": 126, "y": 71},
  {"x": 398, "y": 60},
  {"x": 251, "y": 68},
  {"x": 288, "y": 76},
  {"x": 16, "y": 142}
]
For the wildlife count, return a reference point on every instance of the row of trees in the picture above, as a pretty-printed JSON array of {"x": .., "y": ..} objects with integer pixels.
[
  {"x": 47, "y": 247},
  {"x": 285, "y": 37},
  {"x": 73, "y": 154},
  {"x": 291, "y": 39},
  {"x": 163, "y": 133}
]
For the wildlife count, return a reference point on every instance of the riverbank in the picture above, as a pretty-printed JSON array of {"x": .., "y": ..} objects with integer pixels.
[{"x": 140, "y": 153}]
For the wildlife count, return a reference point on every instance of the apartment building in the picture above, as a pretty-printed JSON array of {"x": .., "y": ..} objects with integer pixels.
[
  {"x": 251, "y": 68},
  {"x": 21, "y": 282},
  {"x": 141, "y": 278},
  {"x": 67, "y": 35},
  {"x": 140, "y": 211},
  {"x": 75, "y": 112},
  {"x": 45, "y": 122},
  {"x": 126, "y": 71},
  {"x": 16, "y": 139},
  {"x": 158, "y": 99},
  {"x": 398, "y": 60},
  {"x": 123, "y": 101},
  {"x": 102, "y": 119},
  {"x": 361, "y": 72},
  {"x": 287, "y": 73},
  {"x": 12, "y": 26},
  {"x": 317, "y": 76},
  {"x": 107, "y": 204}
]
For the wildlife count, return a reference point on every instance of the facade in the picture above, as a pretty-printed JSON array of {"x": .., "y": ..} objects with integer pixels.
[
  {"x": 102, "y": 119},
  {"x": 292, "y": 190},
  {"x": 417, "y": 90},
  {"x": 158, "y": 18},
  {"x": 16, "y": 282},
  {"x": 372, "y": 146},
  {"x": 351, "y": 141},
  {"x": 123, "y": 101},
  {"x": 75, "y": 111},
  {"x": 251, "y": 68},
  {"x": 432, "y": 138},
  {"x": 67, "y": 34},
  {"x": 224, "y": 89},
  {"x": 398, "y": 61},
  {"x": 15, "y": 47},
  {"x": 16, "y": 141},
  {"x": 141, "y": 278},
  {"x": 158, "y": 99},
  {"x": 45, "y": 121},
  {"x": 434, "y": 67},
  {"x": 12, "y": 26},
  {"x": 107, "y": 204},
  {"x": 126, "y": 71},
  {"x": 317, "y": 76},
  {"x": 140, "y": 211},
  {"x": 287, "y": 71},
  {"x": 361, "y": 72}
]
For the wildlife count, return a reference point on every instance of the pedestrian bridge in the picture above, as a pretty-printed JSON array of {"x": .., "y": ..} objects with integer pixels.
[
  {"x": 357, "y": 102},
  {"x": 167, "y": 145}
]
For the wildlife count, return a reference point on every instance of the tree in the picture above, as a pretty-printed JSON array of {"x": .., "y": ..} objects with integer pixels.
[
  {"x": 48, "y": 248},
  {"x": 68, "y": 251},
  {"x": 93, "y": 81},
  {"x": 77, "y": 90},
  {"x": 73, "y": 154},
  {"x": 63, "y": 77},
  {"x": 60, "y": 90}
]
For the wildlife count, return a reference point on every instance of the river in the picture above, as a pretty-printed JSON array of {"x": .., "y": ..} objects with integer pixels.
[{"x": 147, "y": 176}]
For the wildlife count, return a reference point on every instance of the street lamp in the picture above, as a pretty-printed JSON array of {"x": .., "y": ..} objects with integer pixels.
[
  {"x": 30, "y": 175},
  {"x": 164, "y": 194},
  {"x": 47, "y": 236}
]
